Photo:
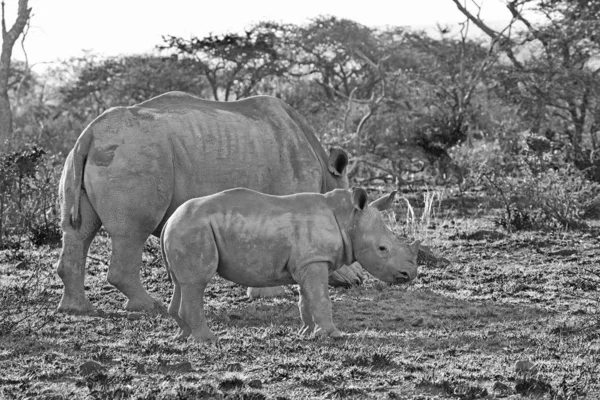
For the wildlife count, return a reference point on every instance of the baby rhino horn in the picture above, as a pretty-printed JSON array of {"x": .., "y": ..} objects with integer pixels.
[{"x": 383, "y": 203}]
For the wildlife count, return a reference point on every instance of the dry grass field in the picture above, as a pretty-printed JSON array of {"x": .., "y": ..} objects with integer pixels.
[{"x": 513, "y": 316}]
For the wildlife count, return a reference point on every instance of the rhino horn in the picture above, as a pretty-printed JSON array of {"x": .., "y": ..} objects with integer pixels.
[{"x": 384, "y": 202}]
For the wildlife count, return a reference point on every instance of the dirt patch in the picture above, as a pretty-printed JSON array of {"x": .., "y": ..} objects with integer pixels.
[{"x": 459, "y": 331}]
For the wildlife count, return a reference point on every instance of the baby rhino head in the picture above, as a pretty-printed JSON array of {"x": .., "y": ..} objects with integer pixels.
[{"x": 376, "y": 247}]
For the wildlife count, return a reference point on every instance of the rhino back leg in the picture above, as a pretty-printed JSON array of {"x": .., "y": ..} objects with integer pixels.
[
  {"x": 71, "y": 263},
  {"x": 123, "y": 272},
  {"x": 184, "y": 329},
  {"x": 193, "y": 262},
  {"x": 131, "y": 209}
]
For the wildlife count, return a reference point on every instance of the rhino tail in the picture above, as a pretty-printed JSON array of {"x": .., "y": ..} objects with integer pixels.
[{"x": 80, "y": 152}]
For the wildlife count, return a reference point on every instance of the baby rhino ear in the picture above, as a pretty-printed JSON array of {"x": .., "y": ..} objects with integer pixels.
[
  {"x": 383, "y": 203},
  {"x": 359, "y": 198},
  {"x": 414, "y": 247},
  {"x": 338, "y": 160}
]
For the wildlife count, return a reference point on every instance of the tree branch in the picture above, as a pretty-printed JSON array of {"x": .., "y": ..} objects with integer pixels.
[
  {"x": 504, "y": 42},
  {"x": 487, "y": 30},
  {"x": 22, "y": 18},
  {"x": 3, "y": 22}
]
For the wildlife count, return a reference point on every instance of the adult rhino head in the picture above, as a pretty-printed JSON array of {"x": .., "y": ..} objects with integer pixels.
[{"x": 374, "y": 245}]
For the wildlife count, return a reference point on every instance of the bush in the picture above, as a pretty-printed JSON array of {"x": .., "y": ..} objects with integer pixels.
[
  {"x": 28, "y": 197},
  {"x": 545, "y": 193},
  {"x": 25, "y": 298}
]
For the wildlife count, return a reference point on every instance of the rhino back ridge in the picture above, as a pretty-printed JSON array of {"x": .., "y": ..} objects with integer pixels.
[{"x": 187, "y": 147}]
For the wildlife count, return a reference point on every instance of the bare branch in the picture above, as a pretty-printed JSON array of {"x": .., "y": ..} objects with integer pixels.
[
  {"x": 511, "y": 5},
  {"x": 348, "y": 109},
  {"x": 22, "y": 18},
  {"x": 3, "y": 22},
  {"x": 26, "y": 68},
  {"x": 486, "y": 29},
  {"x": 374, "y": 165},
  {"x": 343, "y": 95},
  {"x": 504, "y": 41}
]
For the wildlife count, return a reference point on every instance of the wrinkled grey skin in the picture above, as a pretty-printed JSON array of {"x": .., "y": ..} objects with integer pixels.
[
  {"x": 256, "y": 239},
  {"x": 133, "y": 166}
]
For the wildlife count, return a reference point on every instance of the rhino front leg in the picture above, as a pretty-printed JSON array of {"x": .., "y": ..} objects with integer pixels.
[
  {"x": 124, "y": 273},
  {"x": 347, "y": 276},
  {"x": 314, "y": 301},
  {"x": 308, "y": 322}
]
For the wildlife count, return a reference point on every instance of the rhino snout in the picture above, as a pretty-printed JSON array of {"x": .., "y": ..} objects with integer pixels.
[{"x": 402, "y": 277}]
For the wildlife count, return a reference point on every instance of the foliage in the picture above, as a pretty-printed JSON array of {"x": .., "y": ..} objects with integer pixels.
[
  {"x": 546, "y": 192},
  {"x": 410, "y": 107},
  {"x": 551, "y": 73},
  {"x": 28, "y": 197},
  {"x": 234, "y": 64},
  {"x": 122, "y": 81},
  {"x": 25, "y": 304},
  {"x": 9, "y": 38}
]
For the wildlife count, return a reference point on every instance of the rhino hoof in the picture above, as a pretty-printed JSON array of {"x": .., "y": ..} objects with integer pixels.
[
  {"x": 306, "y": 330},
  {"x": 182, "y": 335},
  {"x": 145, "y": 304},
  {"x": 205, "y": 337},
  {"x": 321, "y": 333},
  {"x": 77, "y": 307},
  {"x": 336, "y": 335}
]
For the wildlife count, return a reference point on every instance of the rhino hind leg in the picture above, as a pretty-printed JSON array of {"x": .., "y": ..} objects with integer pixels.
[
  {"x": 192, "y": 312},
  {"x": 72, "y": 260},
  {"x": 184, "y": 329},
  {"x": 123, "y": 273},
  {"x": 191, "y": 266}
]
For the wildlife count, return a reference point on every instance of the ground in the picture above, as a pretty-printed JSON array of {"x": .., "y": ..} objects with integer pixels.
[{"x": 513, "y": 316}]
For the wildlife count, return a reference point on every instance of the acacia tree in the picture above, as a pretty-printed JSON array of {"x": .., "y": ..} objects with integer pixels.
[
  {"x": 235, "y": 64},
  {"x": 126, "y": 80},
  {"x": 326, "y": 50},
  {"x": 553, "y": 71},
  {"x": 9, "y": 37}
]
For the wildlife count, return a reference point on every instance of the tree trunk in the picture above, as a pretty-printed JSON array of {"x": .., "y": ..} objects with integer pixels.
[
  {"x": 8, "y": 41},
  {"x": 5, "y": 116}
]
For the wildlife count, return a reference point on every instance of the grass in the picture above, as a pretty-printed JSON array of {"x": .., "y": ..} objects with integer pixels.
[{"x": 511, "y": 317}]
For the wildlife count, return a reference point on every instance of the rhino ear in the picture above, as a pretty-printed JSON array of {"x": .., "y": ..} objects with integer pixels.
[
  {"x": 383, "y": 203},
  {"x": 414, "y": 247},
  {"x": 338, "y": 160},
  {"x": 359, "y": 198}
]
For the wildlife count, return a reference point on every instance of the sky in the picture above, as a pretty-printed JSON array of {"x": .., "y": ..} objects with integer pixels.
[{"x": 61, "y": 29}]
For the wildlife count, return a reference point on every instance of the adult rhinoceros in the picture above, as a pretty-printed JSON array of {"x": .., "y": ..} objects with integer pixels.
[{"x": 133, "y": 166}]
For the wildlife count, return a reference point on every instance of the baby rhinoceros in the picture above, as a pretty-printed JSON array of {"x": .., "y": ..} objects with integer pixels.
[{"x": 255, "y": 239}]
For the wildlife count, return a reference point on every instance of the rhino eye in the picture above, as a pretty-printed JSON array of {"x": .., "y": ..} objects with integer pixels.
[{"x": 383, "y": 249}]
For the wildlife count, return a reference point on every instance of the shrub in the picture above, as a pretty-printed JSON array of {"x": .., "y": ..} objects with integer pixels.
[
  {"x": 545, "y": 193},
  {"x": 25, "y": 298},
  {"x": 28, "y": 197}
]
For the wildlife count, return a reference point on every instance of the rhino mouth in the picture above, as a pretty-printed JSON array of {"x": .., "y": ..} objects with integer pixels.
[{"x": 402, "y": 277}]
